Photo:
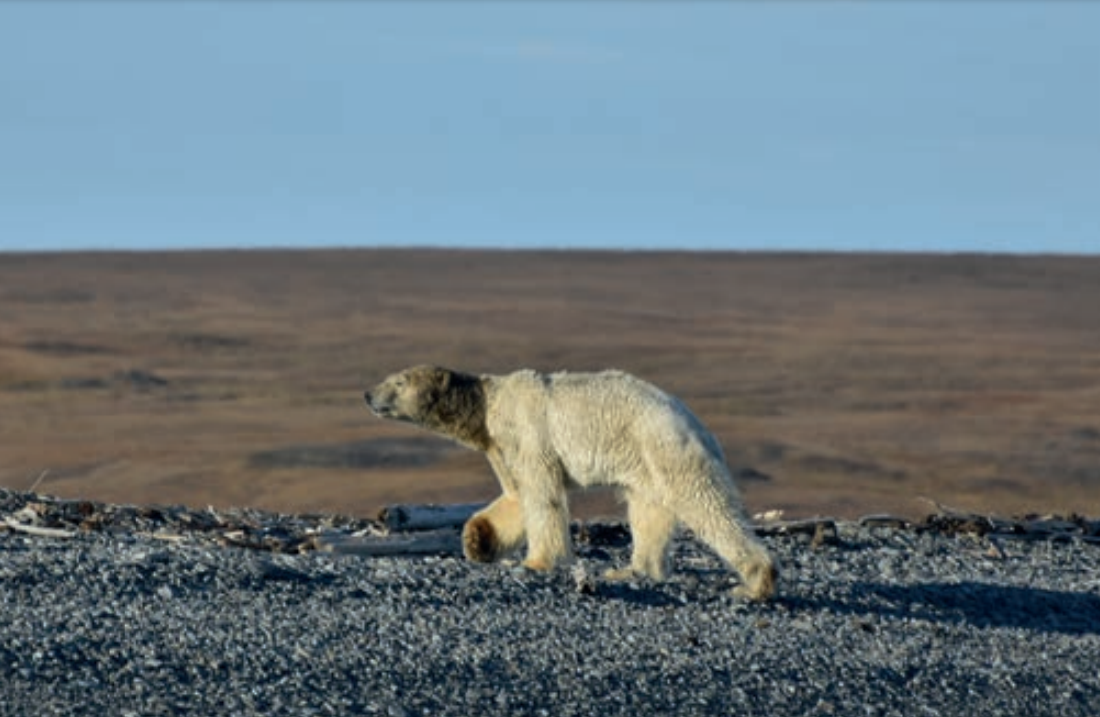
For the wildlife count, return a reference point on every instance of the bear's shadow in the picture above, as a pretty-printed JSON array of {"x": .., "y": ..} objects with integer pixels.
[
  {"x": 976, "y": 604},
  {"x": 697, "y": 585},
  {"x": 983, "y": 605},
  {"x": 636, "y": 594}
]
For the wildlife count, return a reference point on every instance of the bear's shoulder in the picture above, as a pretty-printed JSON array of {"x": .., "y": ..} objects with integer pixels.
[
  {"x": 529, "y": 385},
  {"x": 609, "y": 381},
  {"x": 525, "y": 385}
]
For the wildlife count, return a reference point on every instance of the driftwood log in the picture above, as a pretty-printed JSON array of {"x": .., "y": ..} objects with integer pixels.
[
  {"x": 823, "y": 531},
  {"x": 444, "y": 541},
  {"x": 407, "y": 518},
  {"x": 410, "y": 530}
]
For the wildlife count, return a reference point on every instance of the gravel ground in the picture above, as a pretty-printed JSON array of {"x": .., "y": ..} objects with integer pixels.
[{"x": 883, "y": 622}]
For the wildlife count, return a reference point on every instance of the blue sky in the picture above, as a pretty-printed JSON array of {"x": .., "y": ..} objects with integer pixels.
[{"x": 924, "y": 126}]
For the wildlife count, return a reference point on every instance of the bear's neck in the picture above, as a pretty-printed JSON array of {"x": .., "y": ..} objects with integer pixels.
[{"x": 460, "y": 411}]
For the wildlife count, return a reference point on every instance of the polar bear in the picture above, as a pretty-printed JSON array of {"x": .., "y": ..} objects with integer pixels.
[{"x": 544, "y": 433}]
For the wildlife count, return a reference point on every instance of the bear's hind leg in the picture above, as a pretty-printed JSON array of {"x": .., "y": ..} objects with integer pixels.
[
  {"x": 494, "y": 531},
  {"x": 651, "y": 527},
  {"x": 724, "y": 530}
]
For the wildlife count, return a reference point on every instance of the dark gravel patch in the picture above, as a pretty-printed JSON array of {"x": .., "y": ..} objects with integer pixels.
[
  {"x": 881, "y": 621},
  {"x": 370, "y": 453}
]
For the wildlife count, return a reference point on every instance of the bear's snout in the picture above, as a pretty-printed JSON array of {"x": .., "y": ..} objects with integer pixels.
[
  {"x": 373, "y": 403},
  {"x": 379, "y": 405}
]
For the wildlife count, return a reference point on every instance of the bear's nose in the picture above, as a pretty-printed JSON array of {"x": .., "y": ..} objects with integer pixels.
[{"x": 366, "y": 397}]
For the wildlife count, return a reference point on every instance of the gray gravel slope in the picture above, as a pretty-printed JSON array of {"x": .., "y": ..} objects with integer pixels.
[{"x": 888, "y": 622}]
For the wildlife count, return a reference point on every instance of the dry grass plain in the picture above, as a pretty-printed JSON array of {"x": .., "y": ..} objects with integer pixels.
[{"x": 856, "y": 383}]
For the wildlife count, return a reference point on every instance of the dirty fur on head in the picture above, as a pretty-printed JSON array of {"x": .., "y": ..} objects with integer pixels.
[{"x": 448, "y": 402}]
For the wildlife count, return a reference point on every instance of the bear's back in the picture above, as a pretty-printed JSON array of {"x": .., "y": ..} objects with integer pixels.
[{"x": 608, "y": 424}]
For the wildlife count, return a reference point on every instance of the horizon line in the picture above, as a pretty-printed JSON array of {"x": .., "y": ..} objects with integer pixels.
[{"x": 822, "y": 251}]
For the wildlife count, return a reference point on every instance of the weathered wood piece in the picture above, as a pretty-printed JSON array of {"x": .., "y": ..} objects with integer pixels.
[
  {"x": 406, "y": 518},
  {"x": 822, "y": 530},
  {"x": 796, "y": 527},
  {"x": 435, "y": 542},
  {"x": 884, "y": 521}
]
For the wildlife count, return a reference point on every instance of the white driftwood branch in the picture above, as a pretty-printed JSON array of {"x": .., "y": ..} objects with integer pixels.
[
  {"x": 38, "y": 530},
  {"x": 427, "y": 517},
  {"x": 38, "y": 481},
  {"x": 434, "y": 542}
]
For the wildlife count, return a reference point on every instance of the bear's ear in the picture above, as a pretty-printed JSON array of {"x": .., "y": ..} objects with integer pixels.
[
  {"x": 438, "y": 382},
  {"x": 441, "y": 378}
]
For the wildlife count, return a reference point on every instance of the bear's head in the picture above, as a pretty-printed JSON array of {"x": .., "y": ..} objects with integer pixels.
[
  {"x": 439, "y": 399},
  {"x": 410, "y": 394}
]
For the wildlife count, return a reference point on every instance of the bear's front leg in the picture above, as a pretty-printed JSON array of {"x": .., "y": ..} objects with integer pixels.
[
  {"x": 494, "y": 531},
  {"x": 546, "y": 516}
]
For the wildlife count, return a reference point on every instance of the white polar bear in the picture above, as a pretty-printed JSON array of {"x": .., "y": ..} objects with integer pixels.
[{"x": 544, "y": 433}]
